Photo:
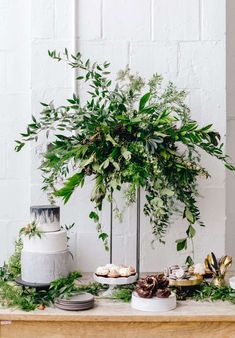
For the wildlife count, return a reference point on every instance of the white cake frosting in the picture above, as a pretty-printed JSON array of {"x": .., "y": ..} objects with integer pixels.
[
  {"x": 47, "y": 217},
  {"x": 49, "y": 242},
  {"x": 45, "y": 258}
]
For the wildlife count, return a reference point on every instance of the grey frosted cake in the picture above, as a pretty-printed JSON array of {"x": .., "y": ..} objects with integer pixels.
[
  {"x": 47, "y": 217},
  {"x": 47, "y": 257}
]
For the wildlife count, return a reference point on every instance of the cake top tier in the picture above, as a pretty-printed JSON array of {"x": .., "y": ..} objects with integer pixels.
[
  {"x": 47, "y": 217},
  {"x": 45, "y": 207}
]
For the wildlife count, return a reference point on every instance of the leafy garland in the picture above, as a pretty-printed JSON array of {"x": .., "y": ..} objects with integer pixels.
[
  {"x": 136, "y": 133},
  {"x": 123, "y": 293},
  {"x": 206, "y": 292},
  {"x": 28, "y": 299}
]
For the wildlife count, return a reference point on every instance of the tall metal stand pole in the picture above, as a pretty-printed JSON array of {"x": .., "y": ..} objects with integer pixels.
[
  {"x": 138, "y": 234},
  {"x": 111, "y": 232}
]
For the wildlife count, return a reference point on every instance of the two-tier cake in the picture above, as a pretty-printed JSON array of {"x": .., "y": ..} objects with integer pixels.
[{"x": 46, "y": 257}]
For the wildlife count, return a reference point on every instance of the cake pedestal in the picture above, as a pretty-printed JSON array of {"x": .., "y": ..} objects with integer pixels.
[
  {"x": 37, "y": 286},
  {"x": 154, "y": 304},
  {"x": 113, "y": 282}
]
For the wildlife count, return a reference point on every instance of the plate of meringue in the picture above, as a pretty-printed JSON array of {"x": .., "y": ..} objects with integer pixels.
[{"x": 115, "y": 274}]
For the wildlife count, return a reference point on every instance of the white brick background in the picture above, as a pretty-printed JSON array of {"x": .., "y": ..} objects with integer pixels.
[
  {"x": 14, "y": 113},
  {"x": 182, "y": 39}
]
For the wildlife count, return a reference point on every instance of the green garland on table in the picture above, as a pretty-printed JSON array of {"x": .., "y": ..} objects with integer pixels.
[
  {"x": 28, "y": 299},
  {"x": 123, "y": 293},
  {"x": 204, "y": 292},
  {"x": 210, "y": 292}
]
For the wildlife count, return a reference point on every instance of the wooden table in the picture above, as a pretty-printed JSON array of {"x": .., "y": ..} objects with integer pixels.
[{"x": 112, "y": 319}]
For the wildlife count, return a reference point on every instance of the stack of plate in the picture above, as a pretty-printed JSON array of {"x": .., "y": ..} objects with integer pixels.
[{"x": 83, "y": 301}]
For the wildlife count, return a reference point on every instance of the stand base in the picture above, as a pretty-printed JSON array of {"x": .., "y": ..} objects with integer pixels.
[
  {"x": 154, "y": 304},
  {"x": 37, "y": 286}
]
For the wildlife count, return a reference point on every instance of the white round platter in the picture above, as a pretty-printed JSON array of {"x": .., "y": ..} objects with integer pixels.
[
  {"x": 112, "y": 282},
  {"x": 115, "y": 281},
  {"x": 154, "y": 304}
]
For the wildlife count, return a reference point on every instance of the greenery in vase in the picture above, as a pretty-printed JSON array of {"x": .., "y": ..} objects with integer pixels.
[{"x": 132, "y": 132}]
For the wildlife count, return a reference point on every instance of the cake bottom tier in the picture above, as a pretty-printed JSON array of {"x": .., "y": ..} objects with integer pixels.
[{"x": 44, "y": 267}]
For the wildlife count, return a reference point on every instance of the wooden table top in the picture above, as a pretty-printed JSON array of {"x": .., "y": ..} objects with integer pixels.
[
  {"x": 106, "y": 310},
  {"x": 112, "y": 310}
]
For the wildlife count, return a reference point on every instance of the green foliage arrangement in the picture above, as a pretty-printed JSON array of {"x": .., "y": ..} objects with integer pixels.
[
  {"x": 135, "y": 133},
  {"x": 31, "y": 230},
  {"x": 210, "y": 292},
  {"x": 123, "y": 293},
  {"x": 28, "y": 299},
  {"x": 12, "y": 269},
  {"x": 206, "y": 292},
  {"x": 203, "y": 292}
]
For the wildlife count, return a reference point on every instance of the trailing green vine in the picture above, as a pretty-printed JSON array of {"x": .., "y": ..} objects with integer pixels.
[
  {"x": 123, "y": 293},
  {"x": 132, "y": 132},
  {"x": 28, "y": 299},
  {"x": 210, "y": 292}
]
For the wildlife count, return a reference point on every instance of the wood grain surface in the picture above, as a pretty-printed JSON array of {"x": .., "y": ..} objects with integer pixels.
[{"x": 112, "y": 319}]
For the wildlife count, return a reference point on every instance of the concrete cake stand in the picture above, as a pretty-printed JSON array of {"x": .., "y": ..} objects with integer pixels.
[{"x": 37, "y": 286}]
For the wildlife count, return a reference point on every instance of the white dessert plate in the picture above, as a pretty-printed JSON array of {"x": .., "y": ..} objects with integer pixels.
[{"x": 115, "y": 281}]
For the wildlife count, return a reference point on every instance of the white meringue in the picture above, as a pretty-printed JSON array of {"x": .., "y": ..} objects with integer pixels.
[
  {"x": 199, "y": 269},
  {"x": 125, "y": 272},
  {"x": 179, "y": 273},
  {"x": 102, "y": 271},
  {"x": 112, "y": 267},
  {"x": 113, "y": 273}
]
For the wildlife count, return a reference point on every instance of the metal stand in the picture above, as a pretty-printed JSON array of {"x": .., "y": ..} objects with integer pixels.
[
  {"x": 137, "y": 233},
  {"x": 111, "y": 234}
]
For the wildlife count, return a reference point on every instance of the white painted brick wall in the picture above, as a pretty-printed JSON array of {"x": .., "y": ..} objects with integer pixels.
[
  {"x": 213, "y": 20},
  {"x": 152, "y": 57},
  {"x": 43, "y": 19},
  {"x": 88, "y": 25},
  {"x": 128, "y": 20},
  {"x": 15, "y": 112},
  {"x": 199, "y": 64},
  {"x": 176, "y": 20},
  {"x": 182, "y": 39}
]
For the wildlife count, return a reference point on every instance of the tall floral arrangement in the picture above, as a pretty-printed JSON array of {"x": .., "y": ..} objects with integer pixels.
[{"x": 133, "y": 132}]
